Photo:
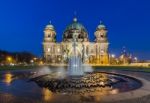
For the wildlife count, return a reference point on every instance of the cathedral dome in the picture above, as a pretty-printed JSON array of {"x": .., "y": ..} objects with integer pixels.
[{"x": 75, "y": 27}]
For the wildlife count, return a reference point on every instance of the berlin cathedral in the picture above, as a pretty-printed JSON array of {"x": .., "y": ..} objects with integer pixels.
[{"x": 91, "y": 52}]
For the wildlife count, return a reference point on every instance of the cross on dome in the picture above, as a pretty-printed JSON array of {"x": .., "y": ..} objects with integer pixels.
[
  {"x": 50, "y": 22},
  {"x": 75, "y": 17},
  {"x": 101, "y": 22}
]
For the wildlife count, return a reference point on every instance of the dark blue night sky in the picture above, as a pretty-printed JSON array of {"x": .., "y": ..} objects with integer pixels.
[{"x": 128, "y": 22}]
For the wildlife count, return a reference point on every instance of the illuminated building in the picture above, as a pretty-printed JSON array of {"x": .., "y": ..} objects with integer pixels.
[{"x": 92, "y": 52}]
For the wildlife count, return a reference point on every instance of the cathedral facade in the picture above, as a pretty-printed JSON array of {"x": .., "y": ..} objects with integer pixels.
[{"x": 91, "y": 52}]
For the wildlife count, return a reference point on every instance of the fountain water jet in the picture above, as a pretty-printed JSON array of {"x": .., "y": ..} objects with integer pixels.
[{"x": 75, "y": 62}]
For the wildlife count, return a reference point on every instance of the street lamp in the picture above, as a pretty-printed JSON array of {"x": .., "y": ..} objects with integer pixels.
[
  {"x": 34, "y": 58},
  {"x": 9, "y": 59},
  {"x": 113, "y": 56},
  {"x": 136, "y": 59},
  {"x": 112, "y": 59}
]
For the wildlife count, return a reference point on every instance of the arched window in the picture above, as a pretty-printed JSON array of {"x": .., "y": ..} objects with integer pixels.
[
  {"x": 49, "y": 35},
  {"x": 48, "y": 49},
  {"x": 102, "y": 36}
]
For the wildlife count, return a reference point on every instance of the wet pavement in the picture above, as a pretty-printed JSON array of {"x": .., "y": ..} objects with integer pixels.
[{"x": 18, "y": 89}]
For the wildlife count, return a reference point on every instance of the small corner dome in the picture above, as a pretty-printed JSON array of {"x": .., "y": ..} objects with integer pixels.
[
  {"x": 49, "y": 26},
  {"x": 101, "y": 26}
]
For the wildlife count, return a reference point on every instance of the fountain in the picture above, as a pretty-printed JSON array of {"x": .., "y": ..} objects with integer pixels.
[
  {"x": 75, "y": 63},
  {"x": 78, "y": 80}
]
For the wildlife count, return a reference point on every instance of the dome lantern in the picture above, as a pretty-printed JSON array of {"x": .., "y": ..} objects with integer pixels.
[{"x": 75, "y": 19}]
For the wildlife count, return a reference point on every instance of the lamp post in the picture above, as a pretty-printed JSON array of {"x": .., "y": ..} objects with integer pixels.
[
  {"x": 9, "y": 59},
  {"x": 112, "y": 58},
  {"x": 113, "y": 55},
  {"x": 135, "y": 59}
]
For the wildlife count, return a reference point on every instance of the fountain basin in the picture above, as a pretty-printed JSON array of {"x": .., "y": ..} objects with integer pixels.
[{"x": 90, "y": 82}]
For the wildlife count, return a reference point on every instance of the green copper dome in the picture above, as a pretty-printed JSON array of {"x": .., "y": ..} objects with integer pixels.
[
  {"x": 49, "y": 26},
  {"x": 101, "y": 26},
  {"x": 75, "y": 26}
]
